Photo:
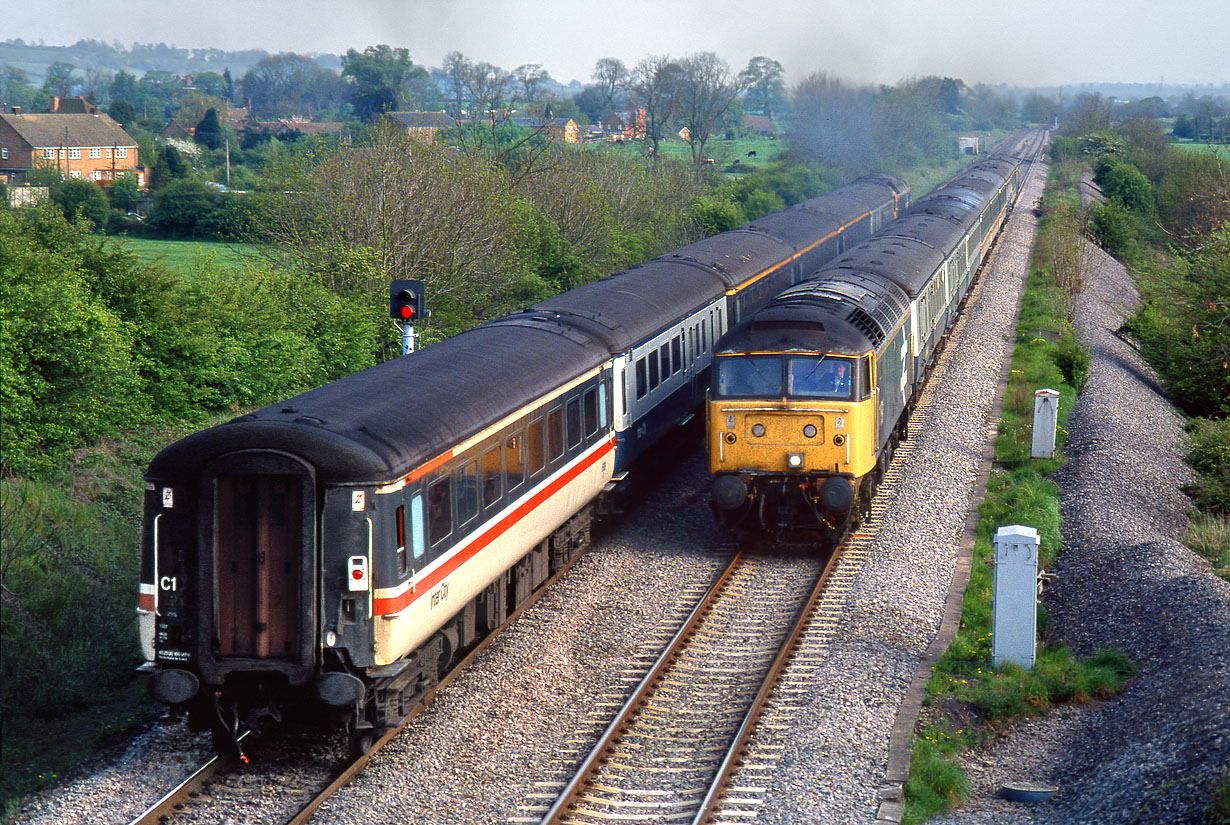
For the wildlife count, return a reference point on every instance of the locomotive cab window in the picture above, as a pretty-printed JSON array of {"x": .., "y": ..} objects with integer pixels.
[
  {"x": 749, "y": 375},
  {"x": 820, "y": 377},
  {"x": 864, "y": 378}
]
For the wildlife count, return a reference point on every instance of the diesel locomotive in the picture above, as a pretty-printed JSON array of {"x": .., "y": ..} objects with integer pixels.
[
  {"x": 330, "y": 556},
  {"x": 811, "y": 395}
]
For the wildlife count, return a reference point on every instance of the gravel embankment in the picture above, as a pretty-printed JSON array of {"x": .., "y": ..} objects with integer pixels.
[{"x": 1156, "y": 752}]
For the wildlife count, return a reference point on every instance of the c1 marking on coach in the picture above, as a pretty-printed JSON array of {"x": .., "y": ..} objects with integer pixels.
[{"x": 168, "y": 498}]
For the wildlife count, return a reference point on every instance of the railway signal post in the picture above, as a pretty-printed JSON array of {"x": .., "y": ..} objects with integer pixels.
[{"x": 406, "y": 306}]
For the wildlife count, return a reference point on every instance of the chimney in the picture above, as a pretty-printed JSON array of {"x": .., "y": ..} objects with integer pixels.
[
  {"x": 55, "y": 103},
  {"x": 17, "y": 111}
]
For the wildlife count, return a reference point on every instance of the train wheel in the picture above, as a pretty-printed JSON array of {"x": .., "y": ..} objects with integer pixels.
[{"x": 361, "y": 742}]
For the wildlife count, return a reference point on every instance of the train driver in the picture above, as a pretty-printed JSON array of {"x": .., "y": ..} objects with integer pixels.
[{"x": 837, "y": 382}]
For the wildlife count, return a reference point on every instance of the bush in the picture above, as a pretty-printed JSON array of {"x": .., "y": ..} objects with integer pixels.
[
  {"x": 185, "y": 207},
  {"x": 67, "y": 373},
  {"x": 1071, "y": 355},
  {"x": 1209, "y": 455},
  {"x": 80, "y": 198},
  {"x": 1113, "y": 227}
]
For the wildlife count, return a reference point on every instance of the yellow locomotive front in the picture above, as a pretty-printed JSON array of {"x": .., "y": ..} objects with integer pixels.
[
  {"x": 790, "y": 436},
  {"x": 805, "y": 407}
]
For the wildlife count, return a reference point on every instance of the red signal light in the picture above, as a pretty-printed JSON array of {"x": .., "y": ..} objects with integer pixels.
[{"x": 407, "y": 312}]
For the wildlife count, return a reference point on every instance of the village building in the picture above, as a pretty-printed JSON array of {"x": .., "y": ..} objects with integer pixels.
[{"x": 82, "y": 144}]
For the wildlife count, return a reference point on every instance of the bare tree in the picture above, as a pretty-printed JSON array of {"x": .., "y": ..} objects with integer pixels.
[
  {"x": 393, "y": 207},
  {"x": 611, "y": 78},
  {"x": 456, "y": 68},
  {"x": 704, "y": 93},
  {"x": 531, "y": 77},
  {"x": 653, "y": 91}
]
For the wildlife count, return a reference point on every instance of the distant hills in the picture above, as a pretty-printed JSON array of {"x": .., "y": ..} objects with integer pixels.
[{"x": 137, "y": 59}]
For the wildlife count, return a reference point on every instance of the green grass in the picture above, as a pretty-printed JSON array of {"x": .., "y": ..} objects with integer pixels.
[
  {"x": 1188, "y": 146},
  {"x": 185, "y": 256},
  {"x": 1019, "y": 491}
]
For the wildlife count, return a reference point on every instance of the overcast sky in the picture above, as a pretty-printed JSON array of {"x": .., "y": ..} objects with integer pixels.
[{"x": 1031, "y": 43}]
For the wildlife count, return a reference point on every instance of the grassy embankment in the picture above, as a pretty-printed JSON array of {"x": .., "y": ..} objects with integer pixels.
[
  {"x": 966, "y": 693},
  {"x": 87, "y": 526}
]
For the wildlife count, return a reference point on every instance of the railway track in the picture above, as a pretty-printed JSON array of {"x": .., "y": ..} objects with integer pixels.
[
  {"x": 670, "y": 747},
  {"x": 306, "y": 789}
]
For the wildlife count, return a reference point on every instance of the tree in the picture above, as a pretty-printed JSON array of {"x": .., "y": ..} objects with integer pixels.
[
  {"x": 654, "y": 90},
  {"x": 81, "y": 198},
  {"x": 124, "y": 193},
  {"x": 706, "y": 90},
  {"x": 184, "y": 207},
  {"x": 762, "y": 78},
  {"x": 59, "y": 79},
  {"x": 1038, "y": 109},
  {"x": 611, "y": 80},
  {"x": 15, "y": 88},
  {"x": 530, "y": 77},
  {"x": 289, "y": 84},
  {"x": 380, "y": 77},
  {"x": 122, "y": 112},
  {"x": 214, "y": 85},
  {"x": 209, "y": 131},
  {"x": 456, "y": 68}
]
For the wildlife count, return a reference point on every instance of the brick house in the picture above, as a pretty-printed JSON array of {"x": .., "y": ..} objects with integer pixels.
[
  {"x": 557, "y": 128},
  {"x": 90, "y": 146},
  {"x": 422, "y": 126}
]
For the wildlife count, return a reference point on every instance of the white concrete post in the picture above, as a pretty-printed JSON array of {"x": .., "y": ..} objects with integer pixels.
[
  {"x": 1015, "y": 609},
  {"x": 1046, "y": 419}
]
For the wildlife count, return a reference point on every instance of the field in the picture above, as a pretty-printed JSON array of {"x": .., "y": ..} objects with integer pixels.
[
  {"x": 1220, "y": 148},
  {"x": 184, "y": 256}
]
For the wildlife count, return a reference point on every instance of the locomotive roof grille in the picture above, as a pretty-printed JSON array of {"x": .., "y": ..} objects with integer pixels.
[{"x": 867, "y": 325}]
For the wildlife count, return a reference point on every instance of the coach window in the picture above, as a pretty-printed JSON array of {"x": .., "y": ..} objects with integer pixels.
[
  {"x": 401, "y": 540},
  {"x": 602, "y": 405},
  {"x": 440, "y": 517},
  {"x": 416, "y": 525},
  {"x": 590, "y": 403},
  {"x": 642, "y": 383},
  {"x": 536, "y": 447},
  {"x": 653, "y": 370},
  {"x": 574, "y": 423},
  {"x": 493, "y": 477},
  {"x": 676, "y": 354},
  {"x": 514, "y": 460},
  {"x": 555, "y": 433},
  {"x": 467, "y": 492}
]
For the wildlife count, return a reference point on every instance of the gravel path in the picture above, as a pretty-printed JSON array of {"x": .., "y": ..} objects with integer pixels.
[{"x": 1156, "y": 752}]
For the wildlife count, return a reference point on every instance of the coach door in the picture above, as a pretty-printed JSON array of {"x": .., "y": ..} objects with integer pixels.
[{"x": 257, "y": 540}]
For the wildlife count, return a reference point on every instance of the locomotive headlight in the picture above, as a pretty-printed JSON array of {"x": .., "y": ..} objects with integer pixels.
[
  {"x": 758, "y": 430},
  {"x": 794, "y": 461},
  {"x": 330, "y": 639},
  {"x": 810, "y": 431}
]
